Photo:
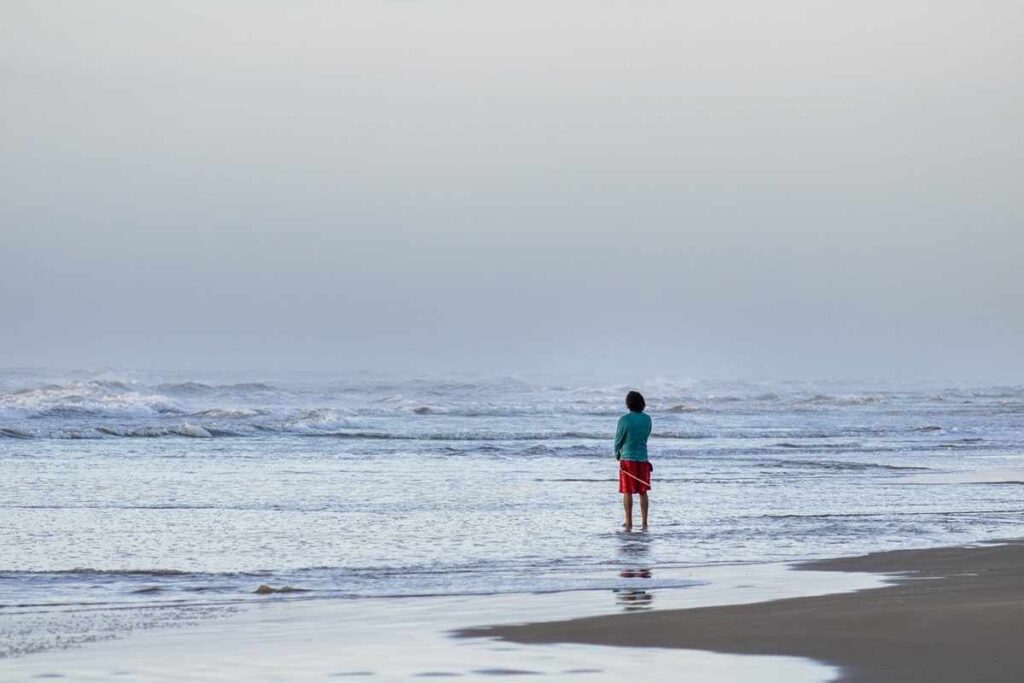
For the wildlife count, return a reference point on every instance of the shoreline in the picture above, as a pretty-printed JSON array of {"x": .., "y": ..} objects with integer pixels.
[
  {"x": 289, "y": 639},
  {"x": 947, "y": 614}
]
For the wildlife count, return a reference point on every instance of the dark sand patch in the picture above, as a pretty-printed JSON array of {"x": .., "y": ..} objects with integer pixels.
[{"x": 952, "y": 615}]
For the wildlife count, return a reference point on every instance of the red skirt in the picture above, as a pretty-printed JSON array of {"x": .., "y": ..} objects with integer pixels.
[{"x": 640, "y": 470}]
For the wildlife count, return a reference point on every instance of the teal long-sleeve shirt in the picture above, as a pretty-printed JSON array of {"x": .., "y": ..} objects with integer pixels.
[{"x": 631, "y": 436}]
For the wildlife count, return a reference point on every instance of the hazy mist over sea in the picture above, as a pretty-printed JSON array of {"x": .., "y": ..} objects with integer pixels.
[{"x": 795, "y": 189}]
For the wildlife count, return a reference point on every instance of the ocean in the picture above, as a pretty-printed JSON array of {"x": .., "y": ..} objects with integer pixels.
[{"x": 133, "y": 501}]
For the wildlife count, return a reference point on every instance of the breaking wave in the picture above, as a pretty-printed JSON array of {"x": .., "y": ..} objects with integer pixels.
[
  {"x": 189, "y": 430},
  {"x": 230, "y": 413},
  {"x": 85, "y": 398}
]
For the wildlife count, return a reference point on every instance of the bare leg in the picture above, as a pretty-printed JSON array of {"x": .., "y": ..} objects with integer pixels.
[
  {"x": 643, "y": 510},
  {"x": 627, "y": 507}
]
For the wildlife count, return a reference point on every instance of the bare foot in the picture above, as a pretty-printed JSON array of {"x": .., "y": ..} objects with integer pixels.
[
  {"x": 643, "y": 528},
  {"x": 627, "y": 526}
]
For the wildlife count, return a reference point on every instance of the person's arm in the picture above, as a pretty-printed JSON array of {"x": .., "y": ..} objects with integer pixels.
[{"x": 620, "y": 437}]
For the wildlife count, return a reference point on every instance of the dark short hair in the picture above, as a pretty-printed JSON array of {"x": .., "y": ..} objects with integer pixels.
[{"x": 635, "y": 402}]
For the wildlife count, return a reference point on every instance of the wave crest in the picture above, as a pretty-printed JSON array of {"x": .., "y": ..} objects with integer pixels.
[{"x": 85, "y": 398}]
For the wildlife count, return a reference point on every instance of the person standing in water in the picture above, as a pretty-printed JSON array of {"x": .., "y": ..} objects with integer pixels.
[{"x": 631, "y": 451}]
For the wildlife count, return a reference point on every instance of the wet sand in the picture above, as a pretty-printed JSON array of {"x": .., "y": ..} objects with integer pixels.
[
  {"x": 294, "y": 637},
  {"x": 951, "y": 614}
]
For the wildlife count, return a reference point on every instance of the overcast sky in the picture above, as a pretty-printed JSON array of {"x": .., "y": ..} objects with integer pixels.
[{"x": 730, "y": 189}]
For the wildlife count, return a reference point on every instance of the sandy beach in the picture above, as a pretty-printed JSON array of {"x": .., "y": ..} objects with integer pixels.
[{"x": 950, "y": 614}]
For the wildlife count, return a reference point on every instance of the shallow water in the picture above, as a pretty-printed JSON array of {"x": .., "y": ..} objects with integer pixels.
[
  {"x": 179, "y": 496},
  {"x": 399, "y": 639}
]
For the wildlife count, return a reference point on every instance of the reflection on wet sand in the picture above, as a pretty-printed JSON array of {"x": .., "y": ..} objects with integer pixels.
[
  {"x": 635, "y": 548},
  {"x": 634, "y": 599}
]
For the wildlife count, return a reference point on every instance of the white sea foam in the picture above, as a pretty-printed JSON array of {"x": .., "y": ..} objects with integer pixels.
[
  {"x": 230, "y": 413},
  {"x": 84, "y": 398},
  {"x": 320, "y": 420},
  {"x": 193, "y": 431}
]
